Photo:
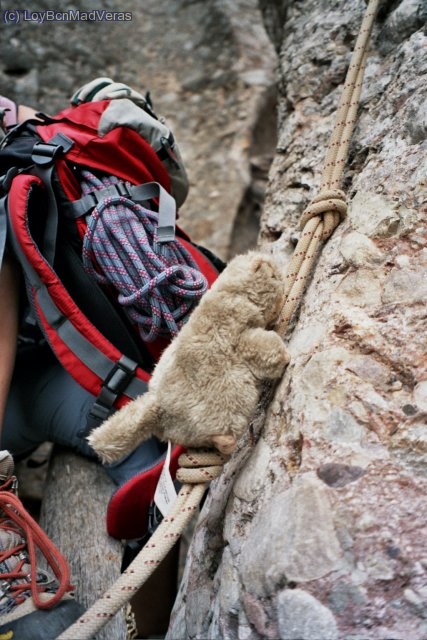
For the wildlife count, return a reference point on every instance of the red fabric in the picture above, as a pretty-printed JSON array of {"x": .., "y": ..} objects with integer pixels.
[
  {"x": 19, "y": 200},
  {"x": 121, "y": 152},
  {"x": 127, "y": 512}
]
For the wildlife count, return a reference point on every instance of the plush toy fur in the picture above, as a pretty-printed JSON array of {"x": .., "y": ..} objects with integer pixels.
[{"x": 206, "y": 385}]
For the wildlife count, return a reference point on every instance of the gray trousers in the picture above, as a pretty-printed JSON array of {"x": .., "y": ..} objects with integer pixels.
[{"x": 46, "y": 404}]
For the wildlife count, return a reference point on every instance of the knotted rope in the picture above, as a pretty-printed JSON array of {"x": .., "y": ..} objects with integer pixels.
[
  {"x": 158, "y": 284},
  {"x": 198, "y": 468},
  {"x": 319, "y": 220},
  {"x": 328, "y": 208}
]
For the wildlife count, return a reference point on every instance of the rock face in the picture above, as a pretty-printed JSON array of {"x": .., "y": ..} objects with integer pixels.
[{"x": 316, "y": 529}]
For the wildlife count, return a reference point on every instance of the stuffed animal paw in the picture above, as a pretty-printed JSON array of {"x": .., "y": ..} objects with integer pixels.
[{"x": 206, "y": 385}]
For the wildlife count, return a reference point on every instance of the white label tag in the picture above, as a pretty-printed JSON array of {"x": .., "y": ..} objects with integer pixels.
[{"x": 165, "y": 494}]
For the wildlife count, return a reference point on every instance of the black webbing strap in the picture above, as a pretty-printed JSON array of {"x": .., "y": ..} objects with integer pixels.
[
  {"x": 3, "y": 228},
  {"x": 5, "y": 182},
  {"x": 118, "y": 380},
  {"x": 43, "y": 156}
]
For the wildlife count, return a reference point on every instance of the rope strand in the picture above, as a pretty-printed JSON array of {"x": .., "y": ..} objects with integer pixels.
[
  {"x": 199, "y": 469},
  {"x": 36, "y": 539},
  {"x": 328, "y": 208}
]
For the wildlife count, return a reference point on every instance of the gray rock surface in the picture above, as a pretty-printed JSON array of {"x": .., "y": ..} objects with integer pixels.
[
  {"x": 302, "y": 617},
  {"x": 316, "y": 529}
]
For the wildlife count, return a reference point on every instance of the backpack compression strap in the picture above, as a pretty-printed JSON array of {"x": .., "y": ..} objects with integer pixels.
[
  {"x": 3, "y": 228},
  {"x": 166, "y": 215},
  {"x": 158, "y": 283},
  {"x": 43, "y": 156}
]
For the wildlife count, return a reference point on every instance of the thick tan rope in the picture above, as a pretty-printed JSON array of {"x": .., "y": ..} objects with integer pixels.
[
  {"x": 318, "y": 222},
  {"x": 329, "y": 207},
  {"x": 198, "y": 468}
]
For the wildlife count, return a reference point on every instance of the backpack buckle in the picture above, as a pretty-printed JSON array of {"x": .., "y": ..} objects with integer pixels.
[
  {"x": 44, "y": 153},
  {"x": 120, "y": 375},
  {"x": 114, "y": 384}
]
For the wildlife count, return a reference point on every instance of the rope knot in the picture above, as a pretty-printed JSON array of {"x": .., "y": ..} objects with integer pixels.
[
  {"x": 197, "y": 466},
  {"x": 331, "y": 206}
]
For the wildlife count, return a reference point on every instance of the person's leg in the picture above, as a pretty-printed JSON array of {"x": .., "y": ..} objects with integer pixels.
[
  {"x": 46, "y": 404},
  {"x": 9, "y": 294}
]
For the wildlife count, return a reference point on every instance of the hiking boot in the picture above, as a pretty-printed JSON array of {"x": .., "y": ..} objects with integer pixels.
[{"x": 34, "y": 605}]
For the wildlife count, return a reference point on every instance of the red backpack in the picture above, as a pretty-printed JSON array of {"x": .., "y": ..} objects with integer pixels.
[{"x": 133, "y": 161}]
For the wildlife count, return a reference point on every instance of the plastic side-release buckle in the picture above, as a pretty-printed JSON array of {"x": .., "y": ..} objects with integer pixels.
[
  {"x": 45, "y": 152},
  {"x": 114, "y": 385},
  {"x": 81, "y": 207}
]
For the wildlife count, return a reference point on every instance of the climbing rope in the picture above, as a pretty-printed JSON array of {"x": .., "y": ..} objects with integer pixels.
[
  {"x": 16, "y": 519},
  {"x": 197, "y": 469},
  {"x": 318, "y": 222},
  {"x": 329, "y": 207},
  {"x": 158, "y": 284}
]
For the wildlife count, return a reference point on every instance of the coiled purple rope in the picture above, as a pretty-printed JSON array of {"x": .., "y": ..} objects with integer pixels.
[{"x": 158, "y": 284}]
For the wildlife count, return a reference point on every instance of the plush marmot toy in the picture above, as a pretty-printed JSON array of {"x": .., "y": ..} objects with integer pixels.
[{"x": 206, "y": 385}]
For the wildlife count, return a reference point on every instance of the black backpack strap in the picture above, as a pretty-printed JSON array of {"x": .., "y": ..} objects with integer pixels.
[
  {"x": 3, "y": 228},
  {"x": 5, "y": 182},
  {"x": 43, "y": 156}
]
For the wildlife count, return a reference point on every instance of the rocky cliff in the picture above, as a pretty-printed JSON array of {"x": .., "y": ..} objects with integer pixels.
[{"x": 316, "y": 530}]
